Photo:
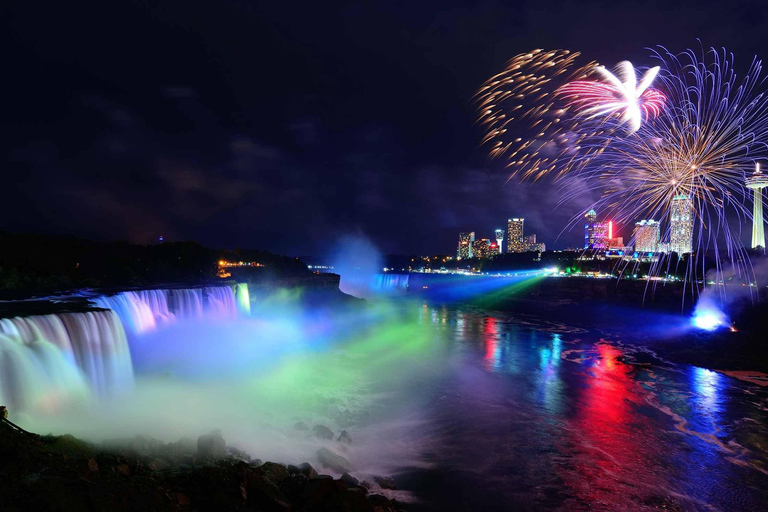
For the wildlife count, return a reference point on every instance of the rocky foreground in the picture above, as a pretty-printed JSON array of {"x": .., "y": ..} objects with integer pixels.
[{"x": 63, "y": 473}]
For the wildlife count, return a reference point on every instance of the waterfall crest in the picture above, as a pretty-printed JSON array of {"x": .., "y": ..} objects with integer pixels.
[
  {"x": 146, "y": 310},
  {"x": 45, "y": 359}
]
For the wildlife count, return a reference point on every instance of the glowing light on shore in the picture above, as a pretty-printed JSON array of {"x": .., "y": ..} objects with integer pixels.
[
  {"x": 618, "y": 93},
  {"x": 709, "y": 321}
]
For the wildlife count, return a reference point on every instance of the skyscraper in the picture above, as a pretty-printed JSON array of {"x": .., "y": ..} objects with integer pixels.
[
  {"x": 499, "y": 238},
  {"x": 515, "y": 241},
  {"x": 596, "y": 233},
  {"x": 681, "y": 225},
  {"x": 465, "y": 245},
  {"x": 647, "y": 235},
  {"x": 758, "y": 182},
  {"x": 481, "y": 248}
]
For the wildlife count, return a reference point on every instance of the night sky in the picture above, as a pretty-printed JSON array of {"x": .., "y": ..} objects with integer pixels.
[{"x": 285, "y": 125}]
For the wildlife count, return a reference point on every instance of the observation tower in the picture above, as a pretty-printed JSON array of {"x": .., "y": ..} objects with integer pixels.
[{"x": 757, "y": 182}]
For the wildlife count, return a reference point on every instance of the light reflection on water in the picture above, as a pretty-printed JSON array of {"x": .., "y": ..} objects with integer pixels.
[{"x": 543, "y": 416}]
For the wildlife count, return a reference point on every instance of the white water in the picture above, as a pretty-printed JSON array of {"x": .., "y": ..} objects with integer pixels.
[
  {"x": 145, "y": 310},
  {"x": 48, "y": 361}
]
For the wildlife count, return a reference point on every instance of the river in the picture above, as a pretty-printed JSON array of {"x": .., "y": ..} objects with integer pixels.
[{"x": 537, "y": 415}]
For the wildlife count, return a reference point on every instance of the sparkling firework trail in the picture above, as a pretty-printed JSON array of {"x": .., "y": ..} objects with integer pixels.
[{"x": 518, "y": 108}]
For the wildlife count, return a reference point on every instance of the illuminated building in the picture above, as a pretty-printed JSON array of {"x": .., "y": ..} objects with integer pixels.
[
  {"x": 596, "y": 233},
  {"x": 465, "y": 245},
  {"x": 647, "y": 235},
  {"x": 499, "y": 238},
  {"x": 616, "y": 242},
  {"x": 681, "y": 225},
  {"x": 515, "y": 242},
  {"x": 758, "y": 182},
  {"x": 495, "y": 248},
  {"x": 531, "y": 245},
  {"x": 481, "y": 248}
]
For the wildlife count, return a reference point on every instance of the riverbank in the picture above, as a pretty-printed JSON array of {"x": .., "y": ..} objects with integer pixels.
[
  {"x": 628, "y": 311},
  {"x": 138, "y": 474}
]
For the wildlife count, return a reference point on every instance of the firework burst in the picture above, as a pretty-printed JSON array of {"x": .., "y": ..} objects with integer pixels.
[
  {"x": 518, "y": 109},
  {"x": 617, "y": 94},
  {"x": 699, "y": 147}
]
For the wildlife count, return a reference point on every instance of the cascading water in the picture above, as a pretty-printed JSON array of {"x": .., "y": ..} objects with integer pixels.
[
  {"x": 45, "y": 359},
  {"x": 145, "y": 310},
  {"x": 391, "y": 282},
  {"x": 48, "y": 359},
  {"x": 243, "y": 298}
]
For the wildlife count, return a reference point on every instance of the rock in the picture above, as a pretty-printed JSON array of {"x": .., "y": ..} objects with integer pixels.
[
  {"x": 184, "y": 447},
  {"x": 334, "y": 461},
  {"x": 307, "y": 470},
  {"x": 384, "y": 482},
  {"x": 143, "y": 446},
  {"x": 123, "y": 469},
  {"x": 380, "y": 502},
  {"x": 322, "y": 432},
  {"x": 273, "y": 472},
  {"x": 300, "y": 425},
  {"x": 349, "y": 480},
  {"x": 344, "y": 437},
  {"x": 92, "y": 464},
  {"x": 292, "y": 470},
  {"x": 211, "y": 446},
  {"x": 255, "y": 463},
  {"x": 262, "y": 494},
  {"x": 320, "y": 494},
  {"x": 238, "y": 454},
  {"x": 366, "y": 484}
]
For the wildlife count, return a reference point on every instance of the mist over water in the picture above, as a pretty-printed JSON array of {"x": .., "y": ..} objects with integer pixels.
[{"x": 256, "y": 376}]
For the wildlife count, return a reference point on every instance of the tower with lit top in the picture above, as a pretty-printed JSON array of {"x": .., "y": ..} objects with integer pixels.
[
  {"x": 758, "y": 182},
  {"x": 499, "y": 233}
]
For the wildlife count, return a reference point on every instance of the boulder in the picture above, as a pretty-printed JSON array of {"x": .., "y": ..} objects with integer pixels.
[
  {"x": 384, "y": 482},
  {"x": 344, "y": 437},
  {"x": 273, "y": 472},
  {"x": 211, "y": 446},
  {"x": 238, "y": 454},
  {"x": 322, "y": 432},
  {"x": 180, "y": 450},
  {"x": 334, "y": 461},
  {"x": 307, "y": 470},
  {"x": 349, "y": 480}
]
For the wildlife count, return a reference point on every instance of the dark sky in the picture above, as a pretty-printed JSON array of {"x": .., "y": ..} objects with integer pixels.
[{"x": 284, "y": 125}]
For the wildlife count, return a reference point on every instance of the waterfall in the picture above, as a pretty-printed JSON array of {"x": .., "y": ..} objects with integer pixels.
[
  {"x": 146, "y": 310},
  {"x": 48, "y": 359},
  {"x": 243, "y": 298},
  {"x": 390, "y": 282},
  {"x": 45, "y": 359}
]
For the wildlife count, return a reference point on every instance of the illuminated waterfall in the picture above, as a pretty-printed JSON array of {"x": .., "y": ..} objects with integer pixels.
[
  {"x": 145, "y": 310},
  {"x": 47, "y": 359},
  {"x": 391, "y": 282},
  {"x": 243, "y": 298}
]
